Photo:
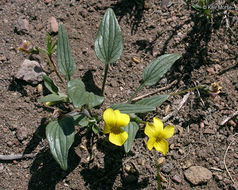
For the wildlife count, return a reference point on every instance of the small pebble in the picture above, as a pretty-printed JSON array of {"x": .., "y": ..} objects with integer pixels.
[
  {"x": 225, "y": 46},
  {"x": 39, "y": 88},
  {"x": 167, "y": 109},
  {"x": 202, "y": 125},
  {"x": 171, "y": 146},
  {"x": 127, "y": 168},
  {"x": 232, "y": 123},
  {"x": 161, "y": 160},
  {"x": 10, "y": 143},
  {"x": 3, "y": 58},
  {"x": 83, "y": 148},
  {"x": 53, "y": 25},
  {"x": 177, "y": 179},
  {"x": 167, "y": 168}
]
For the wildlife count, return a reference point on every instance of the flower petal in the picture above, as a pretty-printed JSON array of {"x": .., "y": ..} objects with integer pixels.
[
  {"x": 122, "y": 119},
  {"x": 158, "y": 125},
  {"x": 151, "y": 142},
  {"x": 168, "y": 132},
  {"x": 109, "y": 117},
  {"x": 106, "y": 129},
  {"x": 162, "y": 146},
  {"x": 118, "y": 138},
  {"x": 150, "y": 130}
]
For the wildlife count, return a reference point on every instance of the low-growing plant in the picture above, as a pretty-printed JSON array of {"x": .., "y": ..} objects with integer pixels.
[
  {"x": 202, "y": 7},
  {"x": 121, "y": 120}
]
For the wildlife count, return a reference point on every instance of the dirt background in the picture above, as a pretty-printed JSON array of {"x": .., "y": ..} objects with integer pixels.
[{"x": 209, "y": 53}]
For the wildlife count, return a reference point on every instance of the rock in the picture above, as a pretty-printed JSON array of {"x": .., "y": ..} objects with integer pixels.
[
  {"x": 232, "y": 123},
  {"x": 30, "y": 71},
  {"x": 209, "y": 131},
  {"x": 1, "y": 168},
  {"x": 3, "y": 58},
  {"x": 21, "y": 133},
  {"x": 198, "y": 175},
  {"x": 10, "y": 143},
  {"x": 39, "y": 27},
  {"x": 194, "y": 127},
  {"x": 39, "y": 88},
  {"x": 225, "y": 47},
  {"x": 53, "y": 25},
  {"x": 167, "y": 168},
  {"x": 211, "y": 70},
  {"x": 22, "y": 26},
  {"x": 202, "y": 125},
  {"x": 177, "y": 179},
  {"x": 47, "y": 1},
  {"x": 84, "y": 13}
]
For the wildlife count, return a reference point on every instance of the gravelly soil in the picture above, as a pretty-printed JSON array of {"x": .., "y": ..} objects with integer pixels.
[{"x": 209, "y": 54}]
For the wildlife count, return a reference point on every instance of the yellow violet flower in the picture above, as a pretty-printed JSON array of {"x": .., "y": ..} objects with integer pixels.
[
  {"x": 114, "y": 120},
  {"x": 25, "y": 46},
  {"x": 158, "y": 134}
]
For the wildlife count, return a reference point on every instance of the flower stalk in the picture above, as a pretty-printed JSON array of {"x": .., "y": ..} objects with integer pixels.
[{"x": 105, "y": 77}]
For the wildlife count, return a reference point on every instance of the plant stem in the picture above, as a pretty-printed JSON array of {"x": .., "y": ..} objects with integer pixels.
[
  {"x": 187, "y": 90},
  {"x": 158, "y": 175},
  {"x": 138, "y": 120},
  {"x": 52, "y": 65},
  {"x": 105, "y": 77},
  {"x": 136, "y": 92}
]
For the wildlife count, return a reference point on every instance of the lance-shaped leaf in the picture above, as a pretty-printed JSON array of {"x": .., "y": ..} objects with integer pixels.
[
  {"x": 154, "y": 101},
  {"x": 157, "y": 68},
  {"x": 65, "y": 60},
  {"x": 50, "y": 85},
  {"x": 109, "y": 43},
  {"x": 60, "y": 135},
  {"x": 132, "y": 108},
  {"x": 131, "y": 129},
  {"x": 54, "y": 98},
  {"x": 79, "y": 96}
]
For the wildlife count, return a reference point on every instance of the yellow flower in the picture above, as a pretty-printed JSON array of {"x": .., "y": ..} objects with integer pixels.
[
  {"x": 158, "y": 134},
  {"x": 114, "y": 120},
  {"x": 214, "y": 89},
  {"x": 25, "y": 46}
]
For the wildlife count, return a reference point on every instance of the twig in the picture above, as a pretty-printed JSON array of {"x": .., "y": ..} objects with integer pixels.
[
  {"x": 158, "y": 90},
  {"x": 216, "y": 169},
  {"x": 185, "y": 98},
  {"x": 229, "y": 117},
  {"x": 224, "y": 160},
  {"x": 17, "y": 156}
]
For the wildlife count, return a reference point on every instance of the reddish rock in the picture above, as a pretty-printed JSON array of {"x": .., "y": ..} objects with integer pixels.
[
  {"x": 47, "y": 1},
  {"x": 198, "y": 175},
  {"x": 21, "y": 133},
  {"x": 53, "y": 25}
]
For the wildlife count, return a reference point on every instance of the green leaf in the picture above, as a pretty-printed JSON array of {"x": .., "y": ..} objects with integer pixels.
[
  {"x": 76, "y": 91},
  {"x": 95, "y": 129},
  {"x": 81, "y": 120},
  {"x": 53, "y": 98},
  {"x": 79, "y": 96},
  {"x": 50, "y": 85},
  {"x": 60, "y": 135},
  {"x": 109, "y": 43},
  {"x": 132, "y": 108},
  {"x": 131, "y": 129},
  {"x": 157, "y": 68},
  {"x": 93, "y": 100},
  {"x": 64, "y": 57},
  {"x": 154, "y": 101}
]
